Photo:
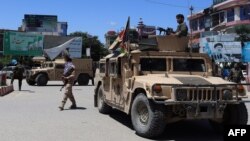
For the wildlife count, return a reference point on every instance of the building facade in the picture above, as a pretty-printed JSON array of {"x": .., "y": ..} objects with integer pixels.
[
  {"x": 44, "y": 24},
  {"x": 222, "y": 16}
]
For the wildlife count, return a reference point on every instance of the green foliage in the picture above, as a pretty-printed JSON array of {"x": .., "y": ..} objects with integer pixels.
[
  {"x": 4, "y": 60},
  {"x": 243, "y": 31},
  {"x": 89, "y": 41}
]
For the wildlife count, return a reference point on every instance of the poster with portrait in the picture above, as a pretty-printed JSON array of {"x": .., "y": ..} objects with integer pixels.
[{"x": 221, "y": 51}]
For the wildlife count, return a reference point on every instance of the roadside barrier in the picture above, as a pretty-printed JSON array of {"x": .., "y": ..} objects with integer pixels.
[{"x": 4, "y": 89}]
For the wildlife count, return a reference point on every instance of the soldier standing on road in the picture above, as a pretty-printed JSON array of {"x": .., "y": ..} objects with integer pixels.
[
  {"x": 182, "y": 29},
  {"x": 236, "y": 74},
  {"x": 18, "y": 74},
  {"x": 69, "y": 83}
]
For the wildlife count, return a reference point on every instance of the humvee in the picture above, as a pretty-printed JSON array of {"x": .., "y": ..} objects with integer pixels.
[
  {"x": 164, "y": 85},
  {"x": 53, "y": 71}
]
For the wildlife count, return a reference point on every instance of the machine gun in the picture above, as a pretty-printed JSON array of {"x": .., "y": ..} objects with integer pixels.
[
  {"x": 167, "y": 31},
  {"x": 68, "y": 73}
]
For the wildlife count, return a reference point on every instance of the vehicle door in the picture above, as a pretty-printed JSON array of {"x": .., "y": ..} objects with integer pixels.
[
  {"x": 104, "y": 74},
  {"x": 116, "y": 83}
]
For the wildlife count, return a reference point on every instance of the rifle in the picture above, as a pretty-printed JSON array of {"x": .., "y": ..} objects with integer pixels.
[
  {"x": 65, "y": 81},
  {"x": 167, "y": 31}
]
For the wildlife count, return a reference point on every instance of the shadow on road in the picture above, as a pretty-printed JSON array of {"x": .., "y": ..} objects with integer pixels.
[
  {"x": 57, "y": 85},
  {"x": 29, "y": 91},
  {"x": 78, "y": 108},
  {"x": 122, "y": 118},
  {"x": 180, "y": 131},
  {"x": 52, "y": 85}
]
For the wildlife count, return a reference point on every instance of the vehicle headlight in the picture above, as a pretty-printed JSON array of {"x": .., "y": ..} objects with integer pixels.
[
  {"x": 181, "y": 94},
  {"x": 157, "y": 88},
  {"x": 227, "y": 95},
  {"x": 241, "y": 90}
]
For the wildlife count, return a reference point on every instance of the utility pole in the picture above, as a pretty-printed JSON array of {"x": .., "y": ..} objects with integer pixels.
[{"x": 191, "y": 38}]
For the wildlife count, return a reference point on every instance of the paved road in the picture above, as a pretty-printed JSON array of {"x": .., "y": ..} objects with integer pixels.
[{"x": 32, "y": 115}]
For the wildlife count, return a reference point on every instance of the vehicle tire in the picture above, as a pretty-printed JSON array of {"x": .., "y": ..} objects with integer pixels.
[
  {"x": 83, "y": 79},
  {"x": 41, "y": 80},
  {"x": 235, "y": 114},
  {"x": 148, "y": 119},
  {"x": 103, "y": 107},
  {"x": 30, "y": 82}
]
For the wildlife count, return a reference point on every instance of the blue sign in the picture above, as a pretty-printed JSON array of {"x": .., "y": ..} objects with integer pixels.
[{"x": 246, "y": 52}]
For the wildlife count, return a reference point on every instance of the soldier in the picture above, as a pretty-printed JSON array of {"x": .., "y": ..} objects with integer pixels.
[
  {"x": 236, "y": 74},
  {"x": 69, "y": 82},
  {"x": 18, "y": 74},
  {"x": 182, "y": 29}
]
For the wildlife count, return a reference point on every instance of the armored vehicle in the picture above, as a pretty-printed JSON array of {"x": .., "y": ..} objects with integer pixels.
[
  {"x": 53, "y": 71},
  {"x": 163, "y": 84}
]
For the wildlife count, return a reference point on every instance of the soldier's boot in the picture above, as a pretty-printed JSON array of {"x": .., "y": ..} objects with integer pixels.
[
  {"x": 20, "y": 84},
  {"x": 62, "y": 106},
  {"x": 73, "y": 106}
]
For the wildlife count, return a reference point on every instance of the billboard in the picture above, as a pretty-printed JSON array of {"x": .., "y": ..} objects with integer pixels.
[
  {"x": 40, "y": 23},
  {"x": 74, "y": 46},
  {"x": 21, "y": 43},
  {"x": 221, "y": 49}
]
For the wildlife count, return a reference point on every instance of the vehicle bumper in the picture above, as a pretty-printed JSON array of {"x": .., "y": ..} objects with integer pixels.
[{"x": 172, "y": 102}]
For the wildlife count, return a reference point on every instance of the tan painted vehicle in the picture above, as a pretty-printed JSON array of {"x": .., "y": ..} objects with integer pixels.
[
  {"x": 164, "y": 84},
  {"x": 53, "y": 71}
]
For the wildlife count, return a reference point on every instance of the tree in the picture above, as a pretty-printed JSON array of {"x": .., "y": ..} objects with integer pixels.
[
  {"x": 97, "y": 48},
  {"x": 243, "y": 31}
]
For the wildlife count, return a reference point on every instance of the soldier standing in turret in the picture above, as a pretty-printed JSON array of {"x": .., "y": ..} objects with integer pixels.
[{"x": 182, "y": 29}]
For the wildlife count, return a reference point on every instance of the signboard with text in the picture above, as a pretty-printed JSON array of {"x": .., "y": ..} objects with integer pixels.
[{"x": 21, "y": 43}]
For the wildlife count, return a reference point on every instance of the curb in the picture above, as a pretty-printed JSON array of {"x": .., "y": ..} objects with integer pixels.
[{"x": 4, "y": 90}]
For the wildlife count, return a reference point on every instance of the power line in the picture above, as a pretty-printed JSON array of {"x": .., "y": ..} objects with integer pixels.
[
  {"x": 161, "y": 3},
  {"x": 171, "y": 5}
]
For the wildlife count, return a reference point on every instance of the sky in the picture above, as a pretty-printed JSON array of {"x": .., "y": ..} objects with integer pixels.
[{"x": 99, "y": 16}]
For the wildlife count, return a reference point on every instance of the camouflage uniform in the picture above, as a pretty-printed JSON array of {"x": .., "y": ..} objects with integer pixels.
[
  {"x": 182, "y": 30},
  {"x": 68, "y": 87},
  {"x": 18, "y": 74},
  {"x": 236, "y": 74}
]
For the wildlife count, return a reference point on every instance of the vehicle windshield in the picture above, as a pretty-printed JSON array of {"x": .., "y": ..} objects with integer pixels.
[
  {"x": 153, "y": 64},
  {"x": 195, "y": 65}
]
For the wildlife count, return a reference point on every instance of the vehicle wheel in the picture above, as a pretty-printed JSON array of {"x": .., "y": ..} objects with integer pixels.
[
  {"x": 148, "y": 119},
  {"x": 233, "y": 115},
  {"x": 83, "y": 79},
  {"x": 30, "y": 82},
  {"x": 236, "y": 114},
  {"x": 102, "y": 106},
  {"x": 41, "y": 80}
]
